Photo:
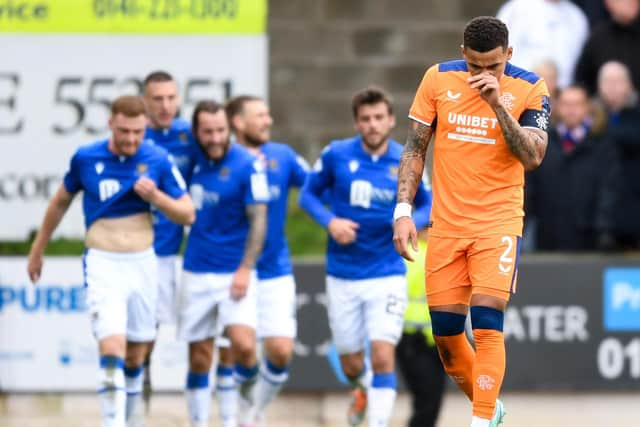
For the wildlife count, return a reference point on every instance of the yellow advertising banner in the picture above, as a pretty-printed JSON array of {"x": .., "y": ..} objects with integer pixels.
[{"x": 134, "y": 16}]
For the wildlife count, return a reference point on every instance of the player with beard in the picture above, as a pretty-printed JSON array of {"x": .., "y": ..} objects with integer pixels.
[
  {"x": 251, "y": 123},
  {"x": 217, "y": 292},
  {"x": 366, "y": 283}
]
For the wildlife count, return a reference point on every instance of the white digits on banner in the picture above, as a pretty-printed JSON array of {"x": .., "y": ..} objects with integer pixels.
[
  {"x": 505, "y": 258},
  {"x": 360, "y": 194},
  {"x": 108, "y": 188},
  {"x": 612, "y": 357}
]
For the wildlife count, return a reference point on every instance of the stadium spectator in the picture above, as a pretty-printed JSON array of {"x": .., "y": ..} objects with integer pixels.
[
  {"x": 594, "y": 10},
  {"x": 619, "y": 99},
  {"x": 545, "y": 29},
  {"x": 366, "y": 282},
  {"x": 417, "y": 354},
  {"x": 571, "y": 194},
  {"x": 230, "y": 192},
  {"x": 121, "y": 177},
  {"x": 616, "y": 39},
  {"x": 276, "y": 290},
  {"x": 492, "y": 119},
  {"x": 548, "y": 70}
]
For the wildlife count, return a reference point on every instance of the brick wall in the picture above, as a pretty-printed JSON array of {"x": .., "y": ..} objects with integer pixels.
[{"x": 322, "y": 51}]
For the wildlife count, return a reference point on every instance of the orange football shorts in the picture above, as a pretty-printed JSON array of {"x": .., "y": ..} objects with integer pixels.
[{"x": 457, "y": 268}]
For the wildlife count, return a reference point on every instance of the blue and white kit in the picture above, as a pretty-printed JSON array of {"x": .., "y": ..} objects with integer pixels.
[{"x": 366, "y": 282}]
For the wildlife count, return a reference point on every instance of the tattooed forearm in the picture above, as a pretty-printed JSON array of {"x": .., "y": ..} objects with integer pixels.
[
  {"x": 412, "y": 161},
  {"x": 257, "y": 215},
  {"x": 528, "y": 145}
]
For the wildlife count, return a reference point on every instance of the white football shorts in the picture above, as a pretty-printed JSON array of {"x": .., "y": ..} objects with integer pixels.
[
  {"x": 167, "y": 289},
  {"x": 368, "y": 308},
  {"x": 277, "y": 307},
  {"x": 205, "y": 305},
  {"x": 122, "y": 292}
]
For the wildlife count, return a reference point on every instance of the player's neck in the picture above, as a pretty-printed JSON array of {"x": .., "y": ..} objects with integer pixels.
[
  {"x": 375, "y": 151},
  {"x": 113, "y": 149},
  {"x": 254, "y": 148}
]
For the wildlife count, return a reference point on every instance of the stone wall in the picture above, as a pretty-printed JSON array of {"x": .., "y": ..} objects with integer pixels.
[{"x": 322, "y": 51}]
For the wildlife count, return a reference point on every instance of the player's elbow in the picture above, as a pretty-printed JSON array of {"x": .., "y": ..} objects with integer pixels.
[{"x": 532, "y": 163}]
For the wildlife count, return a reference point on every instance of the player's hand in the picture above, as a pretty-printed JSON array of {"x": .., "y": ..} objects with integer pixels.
[
  {"x": 34, "y": 266},
  {"x": 343, "y": 230},
  {"x": 488, "y": 86},
  {"x": 404, "y": 232},
  {"x": 146, "y": 189},
  {"x": 240, "y": 283}
]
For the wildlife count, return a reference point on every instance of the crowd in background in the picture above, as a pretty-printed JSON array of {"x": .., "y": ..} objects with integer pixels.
[{"x": 586, "y": 194}]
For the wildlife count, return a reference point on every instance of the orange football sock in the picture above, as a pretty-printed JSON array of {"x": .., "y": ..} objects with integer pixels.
[
  {"x": 488, "y": 370},
  {"x": 458, "y": 357}
]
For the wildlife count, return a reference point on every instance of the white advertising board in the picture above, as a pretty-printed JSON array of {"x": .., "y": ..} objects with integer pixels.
[
  {"x": 46, "y": 343},
  {"x": 55, "y": 91}
]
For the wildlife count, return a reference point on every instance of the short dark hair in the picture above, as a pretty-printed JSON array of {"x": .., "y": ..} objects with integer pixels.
[
  {"x": 575, "y": 86},
  {"x": 236, "y": 104},
  {"x": 485, "y": 33},
  {"x": 203, "y": 107},
  {"x": 369, "y": 96},
  {"x": 157, "y": 76},
  {"x": 128, "y": 105}
]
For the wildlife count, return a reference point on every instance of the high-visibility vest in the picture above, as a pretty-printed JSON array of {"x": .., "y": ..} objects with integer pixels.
[{"x": 416, "y": 316}]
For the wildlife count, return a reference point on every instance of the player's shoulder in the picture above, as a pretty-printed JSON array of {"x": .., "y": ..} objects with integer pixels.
[
  {"x": 454, "y": 66},
  {"x": 93, "y": 149},
  {"x": 180, "y": 125},
  {"x": 395, "y": 149},
  {"x": 240, "y": 157},
  {"x": 277, "y": 148},
  {"x": 520, "y": 75},
  {"x": 148, "y": 148},
  {"x": 344, "y": 146}
]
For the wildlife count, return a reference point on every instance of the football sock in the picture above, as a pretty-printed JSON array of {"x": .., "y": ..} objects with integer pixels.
[
  {"x": 454, "y": 348},
  {"x": 271, "y": 380},
  {"x": 490, "y": 363},
  {"x": 198, "y": 395},
  {"x": 134, "y": 379},
  {"x": 112, "y": 392},
  {"x": 227, "y": 396},
  {"x": 380, "y": 398}
]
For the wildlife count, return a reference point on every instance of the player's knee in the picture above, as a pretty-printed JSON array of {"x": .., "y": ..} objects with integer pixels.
[
  {"x": 280, "y": 357},
  {"x": 244, "y": 349},
  {"x": 200, "y": 358},
  {"x": 352, "y": 365},
  {"x": 136, "y": 354},
  {"x": 382, "y": 357},
  {"x": 487, "y": 318}
]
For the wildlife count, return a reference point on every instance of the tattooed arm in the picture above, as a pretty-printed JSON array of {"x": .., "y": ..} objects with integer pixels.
[
  {"x": 257, "y": 214},
  {"x": 412, "y": 161},
  {"x": 409, "y": 177},
  {"x": 527, "y": 144}
]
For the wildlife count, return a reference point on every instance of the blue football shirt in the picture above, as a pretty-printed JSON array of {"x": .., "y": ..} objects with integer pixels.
[
  {"x": 362, "y": 188},
  {"x": 285, "y": 169},
  {"x": 178, "y": 141},
  {"x": 221, "y": 191},
  {"x": 108, "y": 179}
]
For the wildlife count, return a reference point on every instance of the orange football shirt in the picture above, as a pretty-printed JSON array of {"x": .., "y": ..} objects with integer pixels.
[{"x": 478, "y": 183}]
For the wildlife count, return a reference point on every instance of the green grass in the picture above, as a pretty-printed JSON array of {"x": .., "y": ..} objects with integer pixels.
[{"x": 305, "y": 237}]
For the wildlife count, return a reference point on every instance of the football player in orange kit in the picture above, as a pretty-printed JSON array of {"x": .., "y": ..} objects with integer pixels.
[{"x": 492, "y": 120}]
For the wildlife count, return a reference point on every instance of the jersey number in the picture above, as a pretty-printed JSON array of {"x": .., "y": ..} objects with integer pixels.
[{"x": 505, "y": 258}]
